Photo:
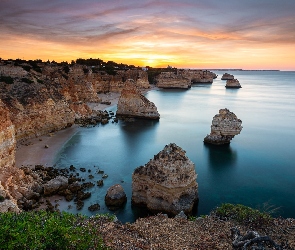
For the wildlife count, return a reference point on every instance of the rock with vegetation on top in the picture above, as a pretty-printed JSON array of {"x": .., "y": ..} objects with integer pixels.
[
  {"x": 133, "y": 104},
  {"x": 225, "y": 126},
  {"x": 167, "y": 183}
]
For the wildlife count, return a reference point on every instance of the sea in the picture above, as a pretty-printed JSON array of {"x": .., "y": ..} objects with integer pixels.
[{"x": 257, "y": 169}]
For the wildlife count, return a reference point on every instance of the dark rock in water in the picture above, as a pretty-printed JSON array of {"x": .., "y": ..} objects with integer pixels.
[
  {"x": 72, "y": 168},
  {"x": 100, "y": 171},
  {"x": 83, "y": 169},
  {"x": 79, "y": 205},
  {"x": 87, "y": 185},
  {"x": 83, "y": 195},
  {"x": 166, "y": 183},
  {"x": 100, "y": 183},
  {"x": 115, "y": 197},
  {"x": 94, "y": 207},
  {"x": 74, "y": 187},
  {"x": 105, "y": 176},
  {"x": 90, "y": 176}
]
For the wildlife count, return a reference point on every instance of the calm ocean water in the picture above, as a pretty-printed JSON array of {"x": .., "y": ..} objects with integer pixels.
[{"x": 257, "y": 169}]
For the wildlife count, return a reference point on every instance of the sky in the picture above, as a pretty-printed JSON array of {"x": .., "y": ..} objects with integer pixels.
[{"x": 206, "y": 34}]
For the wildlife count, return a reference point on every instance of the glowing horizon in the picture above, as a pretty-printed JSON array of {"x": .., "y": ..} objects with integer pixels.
[{"x": 186, "y": 34}]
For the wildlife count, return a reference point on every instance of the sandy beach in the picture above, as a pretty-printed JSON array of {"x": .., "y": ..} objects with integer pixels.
[{"x": 32, "y": 152}]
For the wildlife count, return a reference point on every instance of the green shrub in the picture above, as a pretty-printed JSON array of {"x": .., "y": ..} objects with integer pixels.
[
  {"x": 242, "y": 214},
  {"x": 45, "y": 230},
  {"x": 40, "y": 81},
  {"x": 1, "y": 198},
  {"x": 6, "y": 79}
]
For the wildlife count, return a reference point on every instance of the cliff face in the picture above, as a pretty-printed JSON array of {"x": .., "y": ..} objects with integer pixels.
[
  {"x": 51, "y": 98},
  {"x": 133, "y": 104},
  {"x": 225, "y": 126},
  {"x": 170, "y": 80},
  {"x": 199, "y": 76},
  {"x": 166, "y": 183}
]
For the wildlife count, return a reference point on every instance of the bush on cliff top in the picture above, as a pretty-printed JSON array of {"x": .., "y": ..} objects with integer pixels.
[
  {"x": 45, "y": 230},
  {"x": 242, "y": 214}
]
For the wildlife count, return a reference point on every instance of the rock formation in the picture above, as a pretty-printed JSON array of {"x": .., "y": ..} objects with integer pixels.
[
  {"x": 167, "y": 183},
  {"x": 133, "y": 104},
  {"x": 227, "y": 76},
  {"x": 171, "y": 80},
  {"x": 225, "y": 126},
  {"x": 233, "y": 84},
  {"x": 115, "y": 197},
  {"x": 199, "y": 76}
]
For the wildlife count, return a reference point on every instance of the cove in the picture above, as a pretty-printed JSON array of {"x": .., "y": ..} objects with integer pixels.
[{"x": 257, "y": 169}]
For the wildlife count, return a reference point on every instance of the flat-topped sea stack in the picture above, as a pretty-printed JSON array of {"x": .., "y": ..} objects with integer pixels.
[
  {"x": 225, "y": 126},
  {"x": 167, "y": 183},
  {"x": 171, "y": 80},
  {"x": 233, "y": 84},
  {"x": 227, "y": 76},
  {"x": 133, "y": 104}
]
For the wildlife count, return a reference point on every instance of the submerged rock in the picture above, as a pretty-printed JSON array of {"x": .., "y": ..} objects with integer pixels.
[
  {"x": 133, "y": 104},
  {"x": 234, "y": 84},
  {"x": 225, "y": 126},
  {"x": 166, "y": 183},
  {"x": 115, "y": 197}
]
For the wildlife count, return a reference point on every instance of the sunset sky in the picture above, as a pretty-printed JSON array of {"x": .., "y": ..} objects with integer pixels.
[{"x": 248, "y": 34}]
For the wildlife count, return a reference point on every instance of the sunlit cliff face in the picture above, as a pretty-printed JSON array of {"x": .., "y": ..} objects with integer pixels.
[{"x": 195, "y": 34}]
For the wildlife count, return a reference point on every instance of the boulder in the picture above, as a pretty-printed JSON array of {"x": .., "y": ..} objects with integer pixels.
[
  {"x": 225, "y": 126},
  {"x": 55, "y": 185},
  {"x": 234, "y": 84},
  {"x": 115, "y": 197},
  {"x": 167, "y": 183},
  {"x": 133, "y": 104},
  {"x": 8, "y": 206},
  {"x": 227, "y": 76}
]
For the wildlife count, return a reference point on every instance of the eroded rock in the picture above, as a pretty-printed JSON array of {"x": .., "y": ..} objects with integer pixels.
[
  {"x": 227, "y": 76},
  {"x": 225, "y": 126},
  {"x": 133, "y": 104},
  {"x": 166, "y": 183},
  {"x": 233, "y": 84}
]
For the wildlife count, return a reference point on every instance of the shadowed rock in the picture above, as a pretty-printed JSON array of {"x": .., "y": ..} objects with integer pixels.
[
  {"x": 166, "y": 183},
  {"x": 115, "y": 197}
]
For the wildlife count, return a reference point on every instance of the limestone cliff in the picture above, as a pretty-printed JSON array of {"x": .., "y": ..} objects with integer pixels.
[
  {"x": 167, "y": 183},
  {"x": 233, "y": 84},
  {"x": 171, "y": 80},
  {"x": 225, "y": 126},
  {"x": 133, "y": 104},
  {"x": 227, "y": 76},
  {"x": 199, "y": 76}
]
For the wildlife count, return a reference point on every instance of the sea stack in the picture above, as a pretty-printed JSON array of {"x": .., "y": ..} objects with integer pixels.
[
  {"x": 227, "y": 76},
  {"x": 133, "y": 104},
  {"x": 233, "y": 84},
  {"x": 225, "y": 126},
  {"x": 171, "y": 80},
  {"x": 167, "y": 183}
]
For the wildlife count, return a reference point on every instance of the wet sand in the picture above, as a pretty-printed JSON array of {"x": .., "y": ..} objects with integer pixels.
[{"x": 34, "y": 151}]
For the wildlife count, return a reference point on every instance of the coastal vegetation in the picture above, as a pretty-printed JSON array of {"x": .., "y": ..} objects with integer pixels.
[{"x": 49, "y": 230}]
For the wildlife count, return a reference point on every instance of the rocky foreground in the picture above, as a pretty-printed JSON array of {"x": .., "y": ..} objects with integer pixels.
[{"x": 210, "y": 232}]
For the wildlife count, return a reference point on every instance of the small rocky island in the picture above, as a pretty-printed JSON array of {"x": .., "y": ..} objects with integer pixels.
[
  {"x": 167, "y": 183},
  {"x": 227, "y": 76},
  {"x": 225, "y": 126},
  {"x": 133, "y": 104},
  {"x": 233, "y": 84}
]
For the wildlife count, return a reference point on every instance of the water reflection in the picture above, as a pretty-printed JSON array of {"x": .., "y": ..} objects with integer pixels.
[{"x": 221, "y": 156}]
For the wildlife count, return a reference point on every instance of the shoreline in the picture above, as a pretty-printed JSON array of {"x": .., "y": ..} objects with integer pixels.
[{"x": 31, "y": 152}]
